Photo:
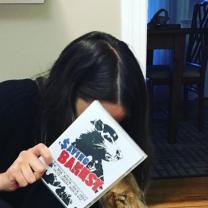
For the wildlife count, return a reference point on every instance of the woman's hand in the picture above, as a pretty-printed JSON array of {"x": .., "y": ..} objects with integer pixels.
[{"x": 26, "y": 169}]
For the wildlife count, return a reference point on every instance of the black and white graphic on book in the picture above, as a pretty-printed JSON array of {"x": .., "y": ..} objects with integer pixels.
[
  {"x": 98, "y": 145},
  {"x": 51, "y": 179}
]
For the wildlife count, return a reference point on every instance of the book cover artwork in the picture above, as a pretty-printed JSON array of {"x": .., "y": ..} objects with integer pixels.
[{"x": 91, "y": 155}]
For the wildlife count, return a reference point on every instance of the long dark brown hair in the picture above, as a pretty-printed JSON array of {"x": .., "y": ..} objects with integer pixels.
[{"x": 97, "y": 66}]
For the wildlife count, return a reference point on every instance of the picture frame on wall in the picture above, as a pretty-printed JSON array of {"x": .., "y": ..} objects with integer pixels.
[{"x": 21, "y": 1}]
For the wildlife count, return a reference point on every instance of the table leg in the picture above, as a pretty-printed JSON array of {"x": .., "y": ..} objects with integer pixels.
[{"x": 179, "y": 54}]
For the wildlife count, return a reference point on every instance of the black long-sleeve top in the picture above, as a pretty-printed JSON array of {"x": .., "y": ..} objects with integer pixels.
[{"x": 19, "y": 106}]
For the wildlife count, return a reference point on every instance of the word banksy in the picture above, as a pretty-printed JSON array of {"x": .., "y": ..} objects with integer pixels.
[{"x": 75, "y": 161}]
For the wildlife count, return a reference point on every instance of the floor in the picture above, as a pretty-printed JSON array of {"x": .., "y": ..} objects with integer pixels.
[
  {"x": 186, "y": 158},
  {"x": 178, "y": 193}
]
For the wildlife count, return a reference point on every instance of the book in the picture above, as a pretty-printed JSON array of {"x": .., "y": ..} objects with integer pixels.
[{"x": 89, "y": 157}]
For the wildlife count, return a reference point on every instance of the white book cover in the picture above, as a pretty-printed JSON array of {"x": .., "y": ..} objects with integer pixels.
[{"x": 89, "y": 157}]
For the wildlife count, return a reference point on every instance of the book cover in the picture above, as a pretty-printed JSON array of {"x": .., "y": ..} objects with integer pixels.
[{"x": 89, "y": 157}]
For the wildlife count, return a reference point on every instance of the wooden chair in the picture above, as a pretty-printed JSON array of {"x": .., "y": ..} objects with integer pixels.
[{"x": 193, "y": 74}]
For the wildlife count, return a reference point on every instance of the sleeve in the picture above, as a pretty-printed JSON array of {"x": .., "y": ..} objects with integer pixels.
[
  {"x": 17, "y": 111},
  {"x": 18, "y": 107}
]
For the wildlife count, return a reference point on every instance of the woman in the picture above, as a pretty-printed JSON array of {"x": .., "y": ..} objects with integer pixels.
[{"x": 94, "y": 66}]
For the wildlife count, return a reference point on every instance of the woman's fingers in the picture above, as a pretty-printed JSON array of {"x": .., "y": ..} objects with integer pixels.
[
  {"x": 33, "y": 166},
  {"x": 28, "y": 168},
  {"x": 22, "y": 182},
  {"x": 15, "y": 176},
  {"x": 34, "y": 162},
  {"x": 42, "y": 150},
  {"x": 28, "y": 173}
]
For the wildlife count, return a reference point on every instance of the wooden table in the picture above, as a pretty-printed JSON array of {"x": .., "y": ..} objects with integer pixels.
[{"x": 171, "y": 39}]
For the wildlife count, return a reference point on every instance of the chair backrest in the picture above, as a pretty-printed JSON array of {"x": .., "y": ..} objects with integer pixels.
[{"x": 197, "y": 50}]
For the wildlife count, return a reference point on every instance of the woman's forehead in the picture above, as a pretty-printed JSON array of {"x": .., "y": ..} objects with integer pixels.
[{"x": 116, "y": 110}]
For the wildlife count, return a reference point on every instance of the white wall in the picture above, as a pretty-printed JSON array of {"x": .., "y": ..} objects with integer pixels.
[
  {"x": 134, "y": 28},
  {"x": 33, "y": 35}
]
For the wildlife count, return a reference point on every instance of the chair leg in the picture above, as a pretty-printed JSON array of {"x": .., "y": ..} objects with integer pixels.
[
  {"x": 185, "y": 102},
  {"x": 151, "y": 104},
  {"x": 201, "y": 107},
  {"x": 173, "y": 116}
]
